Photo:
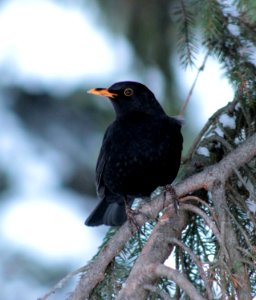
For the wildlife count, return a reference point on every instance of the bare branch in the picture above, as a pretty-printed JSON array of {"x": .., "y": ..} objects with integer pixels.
[
  {"x": 197, "y": 261},
  {"x": 174, "y": 275},
  {"x": 195, "y": 198},
  {"x": 239, "y": 277},
  {"x": 181, "y": 114},
  {"x": 156, "y": 250},
  {"x": 61, "y": 283},
  {"x": 157, "y": 291},
  {"x": 206, "y": 218}
]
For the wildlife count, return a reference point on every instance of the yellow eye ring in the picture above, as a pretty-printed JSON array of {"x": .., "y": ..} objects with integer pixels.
[{"x": 128, "y": 92}]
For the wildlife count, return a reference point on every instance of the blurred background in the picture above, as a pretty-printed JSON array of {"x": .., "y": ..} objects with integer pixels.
[{"x": 51, "y": 53}]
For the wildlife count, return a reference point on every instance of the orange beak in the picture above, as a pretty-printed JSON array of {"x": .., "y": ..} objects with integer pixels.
[{"x": 102, "y": 92}]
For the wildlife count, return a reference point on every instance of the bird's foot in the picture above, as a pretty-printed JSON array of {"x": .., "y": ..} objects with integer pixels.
[
  {"x": 131, "y": 216},
  {"x": 169, "y": 189}
]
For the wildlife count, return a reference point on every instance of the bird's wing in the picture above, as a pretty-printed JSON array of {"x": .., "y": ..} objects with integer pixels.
[
  {"x": 101, "y": 162},
  {"x": 100, "y": 186}
]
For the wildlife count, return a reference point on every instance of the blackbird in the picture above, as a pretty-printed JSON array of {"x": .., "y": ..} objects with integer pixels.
[{"x": 141, "y": 150}]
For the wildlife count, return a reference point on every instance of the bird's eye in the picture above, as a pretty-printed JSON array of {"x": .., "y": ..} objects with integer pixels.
[{"x": 128, "y": 92}]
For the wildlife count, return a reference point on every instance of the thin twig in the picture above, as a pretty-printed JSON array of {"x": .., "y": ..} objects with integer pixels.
[
  {"x": 239, "y": 276},
  {"x": 198, "y": 262},
  {"x": 157, "y": 291},
  {"x": 246, "y": 238},
  {"x": 203, "y": 132},
  {"x": 61, "y": 283},
  {"x": 174, "y": 275},
  {"x": 209, "y": 222},
  {"x": 195, "y": 198},
  {"x": 193, "y": 86}
]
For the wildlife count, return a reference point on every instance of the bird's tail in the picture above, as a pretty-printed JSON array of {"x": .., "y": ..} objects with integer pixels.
[{"x": 111, "y": 214}]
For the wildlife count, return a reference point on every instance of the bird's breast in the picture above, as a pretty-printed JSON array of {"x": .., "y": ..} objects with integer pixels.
[{"x": 141, "y": 156}]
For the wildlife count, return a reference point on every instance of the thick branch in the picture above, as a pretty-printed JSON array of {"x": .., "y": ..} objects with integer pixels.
[
  {"x": 220, "y": 171},
  {"x": 156, "y": 250},
  {"x": 90, "y": 279}
]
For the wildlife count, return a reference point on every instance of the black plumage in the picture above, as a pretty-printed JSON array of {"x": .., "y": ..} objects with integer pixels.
[{"x": 141, "y": 150}]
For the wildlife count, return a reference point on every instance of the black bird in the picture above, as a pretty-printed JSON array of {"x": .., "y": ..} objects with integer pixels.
[{"x": 141, "y": 150}]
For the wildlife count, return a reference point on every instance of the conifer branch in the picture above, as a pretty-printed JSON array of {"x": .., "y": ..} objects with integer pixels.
[
  {"x": 205, "y": 179},
  {"x": 187, "y": 44}
]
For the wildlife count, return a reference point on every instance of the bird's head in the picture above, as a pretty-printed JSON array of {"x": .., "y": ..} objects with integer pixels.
[{"x": 129, "y": 96}]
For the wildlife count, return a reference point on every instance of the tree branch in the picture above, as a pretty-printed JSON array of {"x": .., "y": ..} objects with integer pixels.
[
  {"x": 157, "y": 291},
  {"x": 179, "y": 279},
  {"x": 239, "y": 276},
  {"x": 156, "y": 250},
  {"x": 220, "y": 171},
  {"x": 199, "y": 264},
  {"x": 205, "y": 179}
]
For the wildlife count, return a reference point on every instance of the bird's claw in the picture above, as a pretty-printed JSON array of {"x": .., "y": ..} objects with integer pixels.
[
  {"x": 169, "y": 189},
  {"x": 131, "y": 214}
]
